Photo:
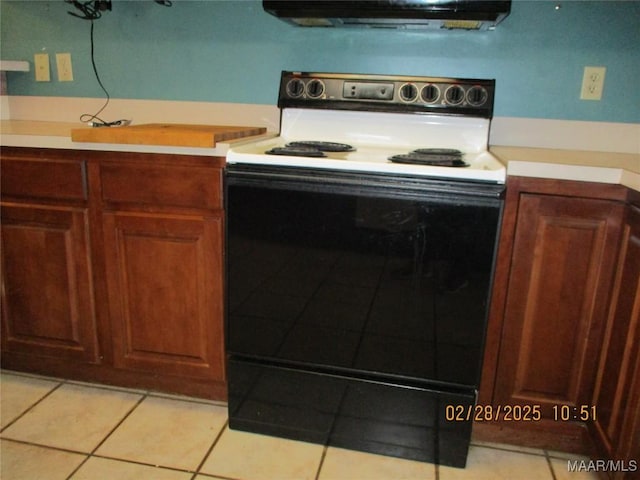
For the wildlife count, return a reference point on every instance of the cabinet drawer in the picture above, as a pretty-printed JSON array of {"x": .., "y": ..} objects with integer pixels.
[
  {"x": 162, "y": 186},
  {"x": 49, "y": 179}
]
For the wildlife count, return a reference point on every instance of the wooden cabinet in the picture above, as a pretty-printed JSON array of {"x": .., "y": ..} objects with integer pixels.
[
  {"x": 114, "y": 259},
  {"x": 557, "y": 260},
  {"x": 165, "y": 293},
  {"x": 617, "y": 391},
  {"x": 163, "y": 259},
  {"x": 47, "y": 294},
  {"x": 562, "y": 265}
]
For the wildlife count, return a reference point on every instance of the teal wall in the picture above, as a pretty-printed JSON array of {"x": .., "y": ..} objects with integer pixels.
[{"x": 231, "y": 51}]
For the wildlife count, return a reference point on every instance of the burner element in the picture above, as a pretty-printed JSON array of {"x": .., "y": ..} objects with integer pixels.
[
  {"x": 437, "y": 157},
  {"x": 322, "y": 146},
  {"x": 310, "y": 149},
  {"x": 438, "y": 151},
  {"x": 296, "y": 151}
]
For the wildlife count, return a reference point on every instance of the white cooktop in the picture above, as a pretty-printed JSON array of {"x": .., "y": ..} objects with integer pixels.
[{"x": 376, "y": 136}]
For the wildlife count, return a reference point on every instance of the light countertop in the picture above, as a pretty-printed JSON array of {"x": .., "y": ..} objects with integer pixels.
[
  {"x": 40, "y": 134},
  {"x": 585, "y": 166},
  {"x": 588, "y": 166}
]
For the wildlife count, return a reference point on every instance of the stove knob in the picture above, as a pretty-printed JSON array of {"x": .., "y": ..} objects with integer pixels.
[
  {"x": 295, "y": 88},
  {"x": 477, "y": 96},
  {"x": 315, "y": 88},
  {"x": 430, "y": 93},
  {"x": 454, "y": 95},
  {"x": 408, "y": 92}
]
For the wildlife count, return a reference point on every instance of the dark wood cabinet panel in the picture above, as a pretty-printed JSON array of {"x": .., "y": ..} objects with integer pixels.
[
  {"x": 51, "y": 179},
  {"x": 562, "y": 265},
  {"x": 112, "y": 268},
  {"x": 47, "y": 298},
  {"x": 164, "y": 276},
  {"x": 617, "y": 391},
  {"x": 557, "y": 261},
  {"x": 161, "y": 186}
]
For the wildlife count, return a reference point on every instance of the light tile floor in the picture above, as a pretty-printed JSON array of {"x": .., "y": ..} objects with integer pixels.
[{"x": 54, "y": 429}]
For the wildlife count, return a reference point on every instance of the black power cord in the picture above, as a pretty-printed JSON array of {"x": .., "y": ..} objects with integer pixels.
[
  {"x": 94, "y": 119},
  {"x": 92, "y": 10}
]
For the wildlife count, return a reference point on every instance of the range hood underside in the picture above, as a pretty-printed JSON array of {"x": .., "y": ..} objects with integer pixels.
[{"x": 399, "y": 14}]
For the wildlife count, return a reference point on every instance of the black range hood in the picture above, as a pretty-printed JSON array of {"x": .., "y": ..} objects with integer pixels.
[{"x": 405, "y": 14}]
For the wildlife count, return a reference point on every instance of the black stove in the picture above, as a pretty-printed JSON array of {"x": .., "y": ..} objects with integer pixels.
[{"x": 358, "y": 270}]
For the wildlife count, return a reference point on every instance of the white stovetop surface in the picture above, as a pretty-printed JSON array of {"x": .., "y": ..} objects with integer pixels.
[
  {"x": 376, "y": 136},
  {"x": 483, "y": 165}
]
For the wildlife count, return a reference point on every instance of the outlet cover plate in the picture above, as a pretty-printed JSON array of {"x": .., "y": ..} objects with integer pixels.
[
  {"x": 41, "y": 67},
  {"x": 592, "y": 83},
  {"x": 63, "y": 64}
]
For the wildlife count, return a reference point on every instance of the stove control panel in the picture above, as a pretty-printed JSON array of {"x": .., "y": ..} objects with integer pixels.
[
  {"x": 403, "y": 94},
  {"x": 368, "y": 90}
]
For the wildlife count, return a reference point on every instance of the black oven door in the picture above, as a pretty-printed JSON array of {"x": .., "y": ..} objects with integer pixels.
[
  {"x": 360, "y": 286},
  {"x": 360, "y": 272}
]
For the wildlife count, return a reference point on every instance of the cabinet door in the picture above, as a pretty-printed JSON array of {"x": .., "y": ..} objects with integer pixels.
[
  {"x": 164, "y": 281},
  {"x": 617, "y": 392},
  {"x": 562, "y": 265},
  {"x": 47, "y": 294}
]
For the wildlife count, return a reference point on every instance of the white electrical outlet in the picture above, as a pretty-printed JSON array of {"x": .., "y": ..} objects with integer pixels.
[
  {"x": 63, "y": 64},
  {"x": 592, "y": 83},
  {"x": 41, "y": 67}
]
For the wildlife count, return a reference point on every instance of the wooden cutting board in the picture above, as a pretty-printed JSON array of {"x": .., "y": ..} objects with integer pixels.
[{"x": 170, "y": 134}]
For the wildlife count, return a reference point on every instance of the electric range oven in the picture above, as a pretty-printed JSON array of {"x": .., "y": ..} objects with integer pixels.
[{"x": 360, "y": 249}]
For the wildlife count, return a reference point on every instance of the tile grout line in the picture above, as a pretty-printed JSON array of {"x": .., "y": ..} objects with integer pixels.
[
  {"x": 321, "y": 464},
  {"x": 145, "y": 464},
  {"x": 91, "y": 454},
  {"x": 115, "y": 388},
  {"x": 36, "y": 403},
  {"x": 38, "y": 376},
  {"x": 548, "y": 457},
  {"x": 105, "y": 457},
  {"x": 46, "y": 447},
  {"x": 206, "y": 455},
  {"x": 149, "y": 393},
  {"x": 218, "y": 477},
  {"x": 144, "y": 395},
  {"x": 200, "y": 401},
  {"x": 506, "y": 448},
  {"x": 102, "y": 386}
]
